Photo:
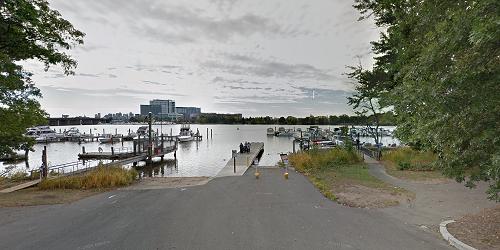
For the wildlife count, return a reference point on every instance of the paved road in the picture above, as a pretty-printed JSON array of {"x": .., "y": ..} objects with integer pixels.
[{"x": 227, "y": 213}]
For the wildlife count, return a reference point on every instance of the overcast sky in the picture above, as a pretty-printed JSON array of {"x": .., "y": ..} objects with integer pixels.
[{"x": 252, "y": 57}]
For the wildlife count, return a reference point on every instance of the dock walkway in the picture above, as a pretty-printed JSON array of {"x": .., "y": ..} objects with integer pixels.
[{"x": 243, "y": 161}]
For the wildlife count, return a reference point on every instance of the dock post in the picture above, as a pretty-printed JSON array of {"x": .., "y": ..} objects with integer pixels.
[
  {"x": 112, "y": 151},
  {"x": 43, "y": 173},
  {"x": 135, "y": 148},
  {"x": 103, "y": 131},
  {"x": 211, "y": 134},
  {"x": 116, "y": 131},
  {"x": 162, "y": 147},
  {"x": 150, "y": 139},
  {"x": 170, "y": 132},
  {"x": 234, "y": 164},
  {"x": 83, "y": 149}
]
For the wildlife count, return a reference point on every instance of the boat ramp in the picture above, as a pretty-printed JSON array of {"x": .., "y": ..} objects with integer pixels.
[{"x": 238, "y": 164}]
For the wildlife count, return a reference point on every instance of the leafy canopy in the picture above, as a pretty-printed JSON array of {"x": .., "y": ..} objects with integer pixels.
[
  {"x": 440, "y": 62},
  {"x": 29, "y": 29}
]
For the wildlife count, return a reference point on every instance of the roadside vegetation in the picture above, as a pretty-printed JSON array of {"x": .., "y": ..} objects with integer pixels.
[
  {"x": 341, "y": 175},
  {"x": 99, "y": 178},
  {"x": 411, "y": 164}
]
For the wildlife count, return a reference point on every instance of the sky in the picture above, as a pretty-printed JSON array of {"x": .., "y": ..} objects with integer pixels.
[{"x": 258, "y": 58}]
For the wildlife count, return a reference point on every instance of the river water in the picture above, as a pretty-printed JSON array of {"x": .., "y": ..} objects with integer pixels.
[{"x": 195, "y": 158}]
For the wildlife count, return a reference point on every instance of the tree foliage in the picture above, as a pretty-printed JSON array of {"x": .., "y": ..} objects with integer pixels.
[
  {"x": 29, "y": 29},
  {"x": 441, "y": 61}
]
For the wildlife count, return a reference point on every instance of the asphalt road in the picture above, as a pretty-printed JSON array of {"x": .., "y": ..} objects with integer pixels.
[{"x": 227, "y": 213}]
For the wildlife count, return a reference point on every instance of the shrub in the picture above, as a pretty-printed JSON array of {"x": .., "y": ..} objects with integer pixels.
[
  {"x": 316, "y": 159},
  {"x": 410, "y": 159},
  {"x": 19, "y": 176},
  {"x": 101, "y": 177}
]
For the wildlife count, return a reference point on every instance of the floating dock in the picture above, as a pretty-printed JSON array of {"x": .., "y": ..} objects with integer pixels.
[{"x": 242, "y": 161}]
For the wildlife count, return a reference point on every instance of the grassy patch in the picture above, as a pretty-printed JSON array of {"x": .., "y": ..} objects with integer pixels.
[
  {"x": 406, "y": 163},
  {"x": 340, "y": 174},
  {"x": 99, "y": 178}
]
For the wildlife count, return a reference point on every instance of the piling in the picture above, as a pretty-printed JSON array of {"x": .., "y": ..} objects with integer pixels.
[
  {"x": 211, "y": 134},
  {"x": 44, "y": 162},
  {"x": 83, "y": 150},
  {"x": 207, "y": 133},
  {"x": 112, "y": 151}
]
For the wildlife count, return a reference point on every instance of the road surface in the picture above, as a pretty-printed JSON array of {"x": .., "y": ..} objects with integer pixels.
[{"x": 227, "y": 213}]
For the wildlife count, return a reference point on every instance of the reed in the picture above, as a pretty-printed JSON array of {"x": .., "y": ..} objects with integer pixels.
[
  {"x": 313, "y": 160},
  {"x": 98, "y": 178},
  {"x": 409, "y": 159}
]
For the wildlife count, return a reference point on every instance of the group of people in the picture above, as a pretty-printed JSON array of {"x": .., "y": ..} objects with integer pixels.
[{"x": 245, "y": 148}]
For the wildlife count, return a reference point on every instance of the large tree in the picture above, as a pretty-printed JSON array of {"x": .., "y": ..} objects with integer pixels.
[
  {"x": 29, "y": 29},
  {"x": 441, "y": 60}
]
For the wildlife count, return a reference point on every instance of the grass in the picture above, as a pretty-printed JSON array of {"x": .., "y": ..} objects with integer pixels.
[
  {"x": 98, "y": 178},
  {"x": 34, "y": 196},
  {"x": 407, "y": 163},
  {"x": 342, "y": 170}
]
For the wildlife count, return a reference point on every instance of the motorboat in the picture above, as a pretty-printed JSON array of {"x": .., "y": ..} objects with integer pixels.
[
  {"x": 43, "y": 134},
  {"x": 72, "y": 133},
  {"x": 270, "y": 131},
  {"x": 284, "y": 132},
  {"x": 185, "y": 134},
  {"x": 143, "y": 132},
  {"x": 109, "y": 138}
]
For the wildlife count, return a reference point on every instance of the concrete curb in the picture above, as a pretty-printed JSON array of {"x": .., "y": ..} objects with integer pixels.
[{"x": 452, "y": 240}]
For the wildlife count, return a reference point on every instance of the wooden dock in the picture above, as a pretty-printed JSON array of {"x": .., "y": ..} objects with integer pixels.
[{"x": 242, "y": 161}]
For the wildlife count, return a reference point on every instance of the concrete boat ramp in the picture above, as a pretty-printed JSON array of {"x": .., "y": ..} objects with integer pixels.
[{"x": 238, "y": 165}]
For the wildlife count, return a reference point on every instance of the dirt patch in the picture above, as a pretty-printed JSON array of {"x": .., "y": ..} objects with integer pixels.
[
  {"x": 168, "y": 182},
  {"x": 481, "y": 230},
  {"x": 34, "y": 196},
  {"x": 361, "y": 196}
]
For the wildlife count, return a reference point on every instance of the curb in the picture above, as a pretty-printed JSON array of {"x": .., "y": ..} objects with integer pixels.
[{"x": 452, "y": 240}]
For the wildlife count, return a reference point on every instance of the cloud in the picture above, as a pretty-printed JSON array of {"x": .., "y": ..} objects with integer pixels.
[
  {"x": 237, "y": 64},
  {"x": 154, "y": 83}
]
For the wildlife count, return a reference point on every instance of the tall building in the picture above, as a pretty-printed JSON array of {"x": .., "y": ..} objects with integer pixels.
[
  {"x": 154, "y": 109},
  {"x": 188, "y": 113},
  {"x": 167, "y": 106}
]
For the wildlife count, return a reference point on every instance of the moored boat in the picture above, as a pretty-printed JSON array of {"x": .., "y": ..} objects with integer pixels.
[
  {"x": 270, "y": 131},
  {"x": 185, "y": 134}
]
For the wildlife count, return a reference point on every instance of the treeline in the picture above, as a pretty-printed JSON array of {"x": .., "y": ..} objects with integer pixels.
[{"x": 385, "y": 119}]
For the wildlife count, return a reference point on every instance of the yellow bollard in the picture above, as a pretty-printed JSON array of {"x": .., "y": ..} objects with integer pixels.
[
  {"x": 257, "y": 174},
  {"x": 286, "y": 175}
]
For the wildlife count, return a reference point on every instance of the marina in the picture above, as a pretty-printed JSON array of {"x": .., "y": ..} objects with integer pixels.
[{"x": 208, "y": 152}]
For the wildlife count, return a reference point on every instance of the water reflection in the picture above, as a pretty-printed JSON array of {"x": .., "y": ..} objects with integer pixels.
[{"x": 158, "y": 168}]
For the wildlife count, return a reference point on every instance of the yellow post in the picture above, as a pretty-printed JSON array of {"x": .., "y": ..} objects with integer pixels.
[{"x": 286, "y": 175}]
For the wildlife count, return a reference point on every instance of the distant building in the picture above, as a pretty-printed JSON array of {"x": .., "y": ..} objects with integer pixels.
[
  {"x": 188, "y": 113},
  {"x": 154, "y": 109},
  {"x": 167, "y": 106},
  {"x": 162, "y": 109}
]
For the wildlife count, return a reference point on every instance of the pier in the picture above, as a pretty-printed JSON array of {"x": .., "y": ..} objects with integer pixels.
[{"x": 240, "y": 162}]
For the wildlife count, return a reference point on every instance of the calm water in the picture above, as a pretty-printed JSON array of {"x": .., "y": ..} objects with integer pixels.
[{"x": 204, "y": 158}]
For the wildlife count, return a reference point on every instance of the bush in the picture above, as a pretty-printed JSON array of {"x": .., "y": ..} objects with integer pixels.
[
  {"x": 101, "y": 177},
  {"x": 19, "y": 176},
  {"x": 410, "y": 159},
  {"x": 312, "y": 160}
]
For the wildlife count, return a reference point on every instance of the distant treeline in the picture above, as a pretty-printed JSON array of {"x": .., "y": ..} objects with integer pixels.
[{"x": 385, "y": 119}]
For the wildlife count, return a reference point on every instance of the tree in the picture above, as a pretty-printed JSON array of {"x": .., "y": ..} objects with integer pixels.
[
  {"x": 29, "y": 29},
  {"x": 366, "y": 99},
  {"x": 441, "y": 62}
]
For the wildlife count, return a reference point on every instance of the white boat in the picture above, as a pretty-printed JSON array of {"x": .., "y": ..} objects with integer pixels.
[
  {"x": 43, "y": 134},
  {"x": 284, "y": 132},
  {"x": 72, "y": 133},
  {"x": 185, "y": 134},
  {"x": 143, "y": 133},
  {"x": 270, "y": 131},
  {"x": 109, "y": 138}
]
